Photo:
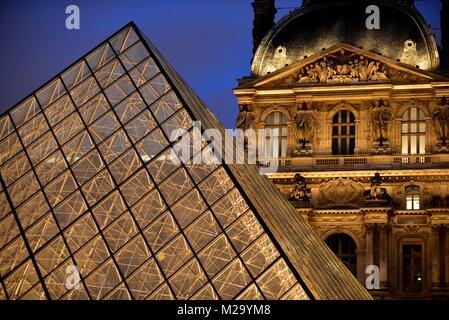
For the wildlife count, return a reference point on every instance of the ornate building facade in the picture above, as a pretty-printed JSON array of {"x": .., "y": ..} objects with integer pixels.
[{"x": 360, "y": 123}]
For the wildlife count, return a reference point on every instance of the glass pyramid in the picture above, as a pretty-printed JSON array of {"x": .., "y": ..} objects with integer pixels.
[{"x": 88, "y": 179}]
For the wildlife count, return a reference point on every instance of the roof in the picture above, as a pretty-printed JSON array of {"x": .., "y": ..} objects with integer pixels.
[
  {"x": 307, "y": 30},
  {"x": 92, "y": 187}
]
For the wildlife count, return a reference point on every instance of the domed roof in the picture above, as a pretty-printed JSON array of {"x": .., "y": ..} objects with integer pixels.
[{"x": 403, "y": 34}]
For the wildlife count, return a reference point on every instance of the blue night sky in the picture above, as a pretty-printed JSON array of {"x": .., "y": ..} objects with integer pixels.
[{"x": 208, "y": 42}]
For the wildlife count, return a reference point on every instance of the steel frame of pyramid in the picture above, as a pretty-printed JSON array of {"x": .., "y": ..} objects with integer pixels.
[{"x": 87, "y": 179}]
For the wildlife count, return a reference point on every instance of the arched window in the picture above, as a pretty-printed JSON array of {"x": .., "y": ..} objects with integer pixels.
[
  {"x": 412, "y": 198},
  {"x": 343, "y": 133},
  {"x": 344, "y": 247},
  {"x": 276, "y": 141},
  {"x": 413, "y": 131}
]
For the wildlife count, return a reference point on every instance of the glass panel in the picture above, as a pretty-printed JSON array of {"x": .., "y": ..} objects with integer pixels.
[
  {"x": 129, "y": 108},
  {"x": 206, "y": 293},
  {"x": 133, "y": 55},
  {"x": 50, "y": 93},
  {"x": 260, "y": 255},
  {"x": 103, "y": 280},
  {"x": 405, "y": 128},
  {"x": 422, "y": 144},
  {"x": 146, "y": 70},
  {"x": 76, "y": 74},
  {"x": 120, "y": 231},
  {"x": 8, "y": 229},
  {"x": 140, "y": 126},
  {"x": 125, "y": 166},
  {"x": 98, "y": 187},
  {"x": 413, "y": 145},
  {"x": 9, "y": 147},
  {"x": 21, "y": 280},
  {"x": 41, "y": 232},
  {"x": 109, "y": 209},
  {"x": 51, "y": 167},
  {"x": 51, "y": 256},
  {"x": 68, "y": 128},
  {"x": 165, "y": 106},
  {"x": 188, "y": 280},
  {"x": 94, "y": 108},
  {"x": 109, "y": 73},
  {"x": 202, "y": 231},
  {"x": 119, "y": 90},
  {"x": 12, "y": 255},
  {"x": 174, "y": 255},
  {"x": 60, "y": 188},
  {"x": 33, "y": 129},
  {"x": 25, "y": 111},
  {"x": 55, "y": 282},
  {"x": 124, "y": 39},
  {"x": 132, "y": 256},
  {"x": 276, "y": 281},
  {"x": 176, "y": 125},
  {"x": 70, "y": 209},
  {"x": 413, "y": 114},
  {"x": 147, "y": 209},
  {"x": 119, "y": 293},
  {"x": 86, "y": 168},
  {"x": 404, "y": 144},
  {"x": 145, "y": 280},
  {"x": 77, "y": 147},
  {"x": 216, "y": 255},
  {"x": 6, "y": 126},
  {"x": 15, "y": 168},
  {"x": 155, "y": 88},
  {"x": 231, "y": 280},
  {"x": 161, "y": 231},
  {"x": 189, "y": 208},
  {"x": 251, "y": 293},
  {"x": 136, "y": 187},
  {"x": 114, "y": 146},
  {"x": 104, "y": 127},
  {"x": 163, "y": 165},
  {"x": 229, "y": 208},
  {"x": 23, "y": 188},
  {"x": 91, "y": 256},
  {"x": 86, "y": 90},
  {"x": 216, "y": 185},
  {"x": 32, "y": 210},
  {"x": 59, "y": 110},
  {"x": 100, "y": 57},
  {"x": 176, "y": 186},
  {"x": 151, "y": 145}
]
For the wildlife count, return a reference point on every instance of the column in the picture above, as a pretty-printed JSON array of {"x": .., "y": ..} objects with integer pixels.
[
  {"x": 435, "y": 248},
  {"x": 383, "y": 256},
  {"x": 369, "y": 255},
  {"x": 446, "y": 256}
]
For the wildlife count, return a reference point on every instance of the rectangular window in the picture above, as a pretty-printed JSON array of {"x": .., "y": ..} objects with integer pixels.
[{"x": 412, "y": 275}]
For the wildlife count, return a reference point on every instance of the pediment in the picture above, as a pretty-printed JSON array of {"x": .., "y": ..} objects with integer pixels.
[{"x": 342, "y": 64}]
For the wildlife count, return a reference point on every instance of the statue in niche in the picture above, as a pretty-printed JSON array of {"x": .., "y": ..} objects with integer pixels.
[
  {"x": 441, "y": 121},
  {"x": 380, "y": 119},
  {"x": 376, "y": 192},
  {"x": 300, "y": 191},
  {"x": 409, "y": 55},
  {"x": 305, "y": 121},
  {"x": 246, "y": 118},
  {"x": 245, "y": 121}
]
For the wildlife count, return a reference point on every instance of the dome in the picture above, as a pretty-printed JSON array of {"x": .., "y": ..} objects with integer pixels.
[{"x": 403, "y": 34}]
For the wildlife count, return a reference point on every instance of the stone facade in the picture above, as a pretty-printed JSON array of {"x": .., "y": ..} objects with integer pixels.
[{"x": 388, "y": 189}]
